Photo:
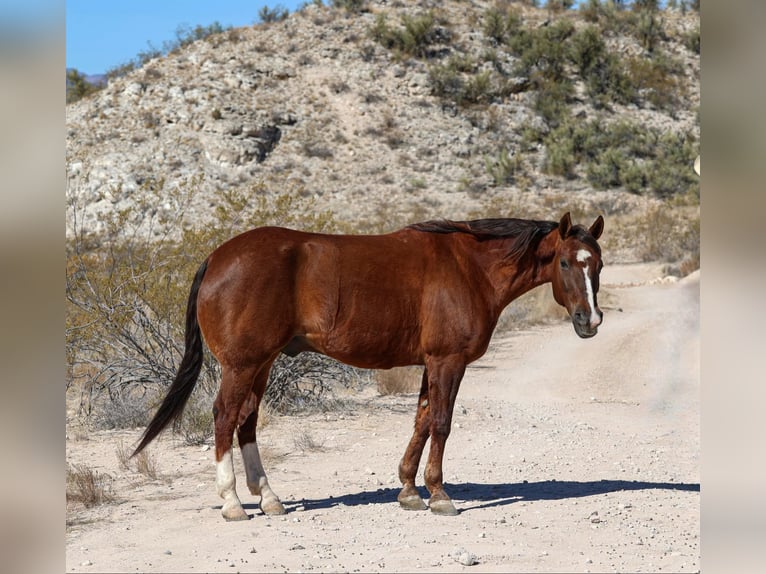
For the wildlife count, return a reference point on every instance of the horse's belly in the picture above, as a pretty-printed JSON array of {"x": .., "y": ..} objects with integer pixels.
[{"x": 373, "y": 349}]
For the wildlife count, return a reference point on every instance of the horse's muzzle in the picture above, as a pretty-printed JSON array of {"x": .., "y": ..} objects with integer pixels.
[{"x": 584, "y": 326}]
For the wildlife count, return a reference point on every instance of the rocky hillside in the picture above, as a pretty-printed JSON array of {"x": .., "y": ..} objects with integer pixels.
[{"x": 399, "y": 111}]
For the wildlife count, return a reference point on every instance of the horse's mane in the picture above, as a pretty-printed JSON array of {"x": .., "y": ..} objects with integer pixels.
[{"x": 525, "y": 232}]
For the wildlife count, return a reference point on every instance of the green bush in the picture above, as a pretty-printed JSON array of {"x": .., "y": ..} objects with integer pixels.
[
  {"x": 622, "y": 154},
  {"x": 504, "y": 167},
  {"x": 656, "y": 80},
  {"x": 269, "y": 15},
  {"x": 602, "y": 71},
  {"x": 500, "y": 23},
  {"x": 412, "y": 38},
  {"x": 692, "y": 41},
  {"x": 457, "y": 82},
  {"x": 77, "y": 87}
]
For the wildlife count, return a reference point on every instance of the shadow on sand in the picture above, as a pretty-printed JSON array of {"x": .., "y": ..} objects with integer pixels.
[{"x": 493, "y": 494}]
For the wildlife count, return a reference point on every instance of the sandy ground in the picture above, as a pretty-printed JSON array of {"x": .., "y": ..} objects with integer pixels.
[{"x": 566, "y": 455}]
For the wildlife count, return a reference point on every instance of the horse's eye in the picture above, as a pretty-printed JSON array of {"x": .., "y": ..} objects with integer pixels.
[{"x": 564, "y": 264}]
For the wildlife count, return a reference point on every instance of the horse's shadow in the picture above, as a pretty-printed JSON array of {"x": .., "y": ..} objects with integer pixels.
[{"x": 490, "y": 495}]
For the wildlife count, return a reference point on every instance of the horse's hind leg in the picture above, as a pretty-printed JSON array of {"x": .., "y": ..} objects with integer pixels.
[
  {"x": 409, "y": 498},
  {"x": 246, "y": 435},
  {"x": 236, "y": 385}
]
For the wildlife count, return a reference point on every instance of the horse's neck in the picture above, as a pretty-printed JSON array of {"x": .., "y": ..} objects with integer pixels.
[{"x": 512, "y": 277}]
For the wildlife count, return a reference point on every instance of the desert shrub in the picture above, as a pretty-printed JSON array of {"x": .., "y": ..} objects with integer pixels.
[
  {"x": 655, "y": 80},
  {"x": 277, "y": 14},
  {"x": 649, "y": 30},
  {"x": 560, "y": 157},
  {"x": 304, "y": 441},
  {"x": 645, "y": 5},
  {"x": 550, "y": 99},
  {"x": 668, "y": 236},
  {"x": 196, "y": 427},
  {"x": 607, "y": 169},
  {"x": 412, "y": 38},
  {"x": 398, "y": 381},
  {"x": 602, "y": 71},
  {"x": 543, "y": 57},
  {"x": 591, "y": 10},
  {"x": 456, "y": 81},
  {"x": 500, "y": 22},
  {"x": 504, "y": 167},
  {"x": 307, "y": 382},
  {"x": 692, "y": 40},
  {"x": 350, "y": 6},
  {"x": 543, "y": 50},
  {"x": 624, "y": 154},
  {"x": 77, "y": 87},
  {"x": 127, "y": 289},
  {"x": 87, "y": 486},
  {"x": 556, "y": 6}
]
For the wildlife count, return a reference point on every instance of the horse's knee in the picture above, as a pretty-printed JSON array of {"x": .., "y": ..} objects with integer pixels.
[{"x": 440, "y": 430}]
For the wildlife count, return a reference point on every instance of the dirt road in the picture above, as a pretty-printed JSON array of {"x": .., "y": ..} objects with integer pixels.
[{"x": 566, "y": 455}]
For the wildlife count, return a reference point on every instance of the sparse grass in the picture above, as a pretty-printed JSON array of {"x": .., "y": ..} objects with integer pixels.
[
  {"x": 669, "y": 236},
  {"x": 304, "y": 441},
  {"x": 146, "y": 465},
  {"x": 87, "y": 486},
  {"x": 399, "y": 381},
  {"x": 143, "y": 463}
]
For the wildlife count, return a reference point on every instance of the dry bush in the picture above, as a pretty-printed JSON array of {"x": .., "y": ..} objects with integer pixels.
[
  {"x": 398, "y": 381},
  {"x": 535, "y": 307},
  {"x": 307, "y": 382},
  {"x": 143, "y": 463},
  {"x": 196, "y": 426},
  {"x": 123, "y": 456},
  {"x": 304, "y": 441},
  {"x": 669, "y": 235},
  {"x": 87, "y": 486},
  {"x": 146, "y": 465},
  {"x": 127, "y": 289}
]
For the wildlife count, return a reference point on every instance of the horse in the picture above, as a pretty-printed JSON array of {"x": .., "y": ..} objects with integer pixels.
[{"x": 429, "y": 294}]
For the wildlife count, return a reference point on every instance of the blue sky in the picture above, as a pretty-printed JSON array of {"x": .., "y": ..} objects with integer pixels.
[{"x": 103, "y": 34}]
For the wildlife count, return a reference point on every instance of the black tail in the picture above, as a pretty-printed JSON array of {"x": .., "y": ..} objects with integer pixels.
[{"x": 191, "y": 364}]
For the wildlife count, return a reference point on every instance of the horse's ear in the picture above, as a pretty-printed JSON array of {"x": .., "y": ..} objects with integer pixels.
[
  {"x": 597, "y": 228},
  {"x": 565, "y": 225}
]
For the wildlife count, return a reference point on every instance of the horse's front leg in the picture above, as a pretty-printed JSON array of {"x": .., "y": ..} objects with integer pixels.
[
  {"x": 409, "y": 498},
  {"x": 444, "y": 376}
]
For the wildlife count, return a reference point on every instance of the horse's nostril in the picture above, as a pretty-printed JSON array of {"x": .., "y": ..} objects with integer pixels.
[{"x": 580, "y": 317}]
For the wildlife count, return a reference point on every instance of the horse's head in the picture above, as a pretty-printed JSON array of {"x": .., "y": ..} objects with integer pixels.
[{"x": 576, "y": 268}]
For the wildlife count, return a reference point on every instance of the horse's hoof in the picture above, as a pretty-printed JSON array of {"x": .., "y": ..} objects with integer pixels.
[
  {"x": 413, "y": 502},
  {"x": 443, "y": 508},
  {"x": 235, "y": 513},
  {"x": 272, "y": 507}
]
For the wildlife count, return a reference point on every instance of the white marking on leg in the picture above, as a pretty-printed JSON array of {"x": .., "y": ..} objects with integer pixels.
[
  {"x": 257, "y": 481},
  {"x": 256, "y": 475},
  {"x": 226, "y": 485},
  {"x": 224, "y": 478}
]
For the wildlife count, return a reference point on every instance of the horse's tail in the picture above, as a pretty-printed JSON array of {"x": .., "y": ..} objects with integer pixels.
[{"x": 191, "y": 365}]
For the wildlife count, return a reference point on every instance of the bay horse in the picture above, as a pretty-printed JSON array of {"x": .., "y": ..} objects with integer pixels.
[{"x": 429, "y": 294}]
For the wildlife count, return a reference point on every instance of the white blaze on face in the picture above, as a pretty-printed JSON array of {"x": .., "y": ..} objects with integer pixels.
[{"x": 582, "y": 256}]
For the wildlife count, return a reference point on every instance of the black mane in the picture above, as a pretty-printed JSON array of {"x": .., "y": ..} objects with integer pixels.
[{"x": 526, "y": 232}]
